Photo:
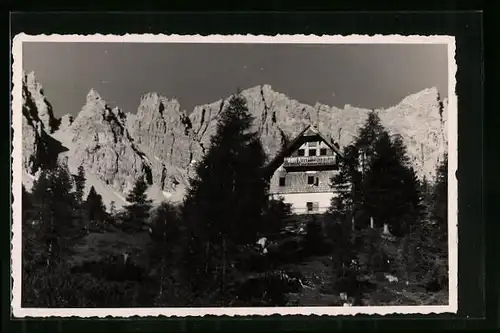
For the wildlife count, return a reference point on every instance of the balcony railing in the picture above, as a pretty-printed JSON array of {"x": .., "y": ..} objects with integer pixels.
[{"x": 310, "y": 161}]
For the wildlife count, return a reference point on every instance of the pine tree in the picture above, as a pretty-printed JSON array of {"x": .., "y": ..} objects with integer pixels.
[
  {"x": 96, "y": 211},
  {"x": 80, "y": 184},
  {"x": 137, "y": 213},
  {"x": 228, "y": 195}
]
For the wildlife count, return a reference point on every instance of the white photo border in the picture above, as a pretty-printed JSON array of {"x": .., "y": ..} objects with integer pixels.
[{"x": 16, "y": 251}]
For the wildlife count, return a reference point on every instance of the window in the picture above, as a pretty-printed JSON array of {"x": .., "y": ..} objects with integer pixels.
[
  {"x": 322, "y": 151},
  {"x": 312, "y": 152},
  {"x": 301, "y": 152},
  {"x": 312, "y": 206},
  {"x": 310, "y": 180},
  {"x": 282, "y": 181}
]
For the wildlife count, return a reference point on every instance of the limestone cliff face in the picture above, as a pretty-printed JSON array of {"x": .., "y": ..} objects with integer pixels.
[
  {"x": 39, "y": 150},
  {"x": 32, "y": 131},
  {"x": 162, "y": 131},
  {"x": 101, "y": 143},
  {"x": 43, "y": 107},
  {"x": 419, "y": 118}
]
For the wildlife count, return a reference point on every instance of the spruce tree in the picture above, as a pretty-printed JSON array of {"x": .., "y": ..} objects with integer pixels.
[
  {"x": 385, "y": 186},
  {"x": 225, "y": 201},
  {"x": 369, "y": 134},
  {"x": 137, "y": 212},
  {"x": 55, "y": 204},
  {"x": 391, "y": 187},
  {"x": 96, "y": 211},
  {"x": 80, "y": 184},
  {"x": 228, "y": 194}
]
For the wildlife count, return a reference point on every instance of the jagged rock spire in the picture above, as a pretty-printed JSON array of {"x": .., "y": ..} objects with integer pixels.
[{"x": 93, "y": 95}]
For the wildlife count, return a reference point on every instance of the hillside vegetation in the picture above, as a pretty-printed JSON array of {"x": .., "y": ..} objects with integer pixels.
[{"x": 227, "y": 244}]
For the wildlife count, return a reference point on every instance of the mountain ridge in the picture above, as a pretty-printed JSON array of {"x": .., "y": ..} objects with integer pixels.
[{"x": 162, "y": 142}]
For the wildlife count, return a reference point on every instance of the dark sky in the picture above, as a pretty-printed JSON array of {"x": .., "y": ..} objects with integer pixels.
[{"x": 364, "y": 75}]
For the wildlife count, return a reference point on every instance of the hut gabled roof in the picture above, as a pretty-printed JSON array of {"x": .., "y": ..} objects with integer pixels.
[{"x": 309, "y": 130}]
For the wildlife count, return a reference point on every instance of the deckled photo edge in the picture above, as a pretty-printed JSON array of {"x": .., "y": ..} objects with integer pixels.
[
  {"x": 16, "y": 244},
  {"x": 16, "y": 167}
]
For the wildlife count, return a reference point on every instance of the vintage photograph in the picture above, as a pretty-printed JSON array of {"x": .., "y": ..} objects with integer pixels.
[{"x": 233, "y": 175}]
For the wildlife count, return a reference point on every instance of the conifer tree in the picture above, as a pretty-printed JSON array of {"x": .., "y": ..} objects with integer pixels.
[
  {"x": 385, "y": 186},
  {"x": 348, "y": 182},
  {"x": 96, "y": 211},
  {"x": 391, "y": 187},
  {"x": 228, "y": 195},
  {"x": 55, "y": 204},
  {"x": 369, "y": 134},
  {"x": 230, "y": 189},
  {"x": 80, "y": 184},
  {"x": 137, "y": 212}
]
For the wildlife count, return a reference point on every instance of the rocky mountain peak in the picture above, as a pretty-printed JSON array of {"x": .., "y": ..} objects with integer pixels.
[
  {"x": 101, "y": 143},
  {"x": 163, "y": 131},
  {"x": 93, "y": 96},
  {"x": 44, "y": 110}
]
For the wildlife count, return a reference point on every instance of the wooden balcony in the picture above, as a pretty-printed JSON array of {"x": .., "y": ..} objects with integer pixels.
[{"x": 303, "y": 161}]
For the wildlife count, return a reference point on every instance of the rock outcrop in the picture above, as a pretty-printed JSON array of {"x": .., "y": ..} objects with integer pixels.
[
  {"x": 39, "y": 150},
  {"x": 42, "y": 106},
  {"x": 101, "y": 143},
  {"x": 162, "y": 131}
]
